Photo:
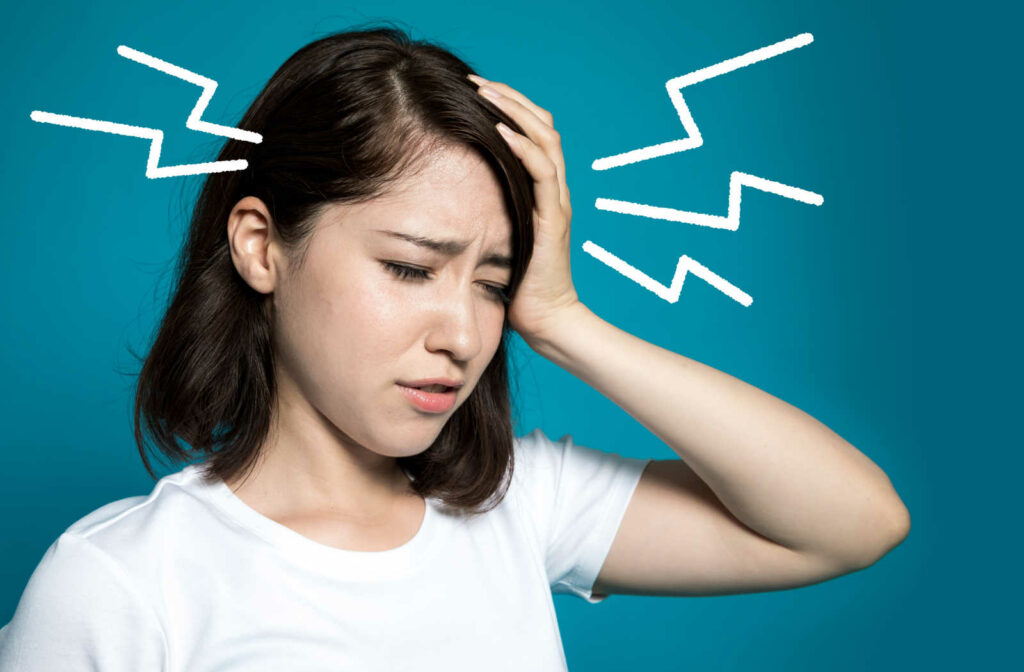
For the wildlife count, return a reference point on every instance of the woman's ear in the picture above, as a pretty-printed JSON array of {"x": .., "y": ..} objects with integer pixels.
[{"x": 253, "y": 245}]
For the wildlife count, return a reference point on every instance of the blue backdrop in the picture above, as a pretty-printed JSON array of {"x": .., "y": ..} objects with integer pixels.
[{"x": 890, "y": 312}]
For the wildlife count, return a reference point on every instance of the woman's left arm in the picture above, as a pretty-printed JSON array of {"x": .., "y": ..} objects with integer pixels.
[
  {"x": 815, "y": 506},
  {"x": 780, "y": 471}
]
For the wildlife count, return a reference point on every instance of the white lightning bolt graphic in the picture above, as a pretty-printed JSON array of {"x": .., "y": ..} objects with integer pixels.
[
  {"x": 737, "y": 180},
  {"x": 675, "y": 87},
  {"x": 730, "y": 221},
  {"x": 671, "y": 292},
  {"x": 156, "y": 136}
]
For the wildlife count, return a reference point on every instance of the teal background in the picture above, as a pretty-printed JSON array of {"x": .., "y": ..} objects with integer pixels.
[{"x": 890, "y": 313}]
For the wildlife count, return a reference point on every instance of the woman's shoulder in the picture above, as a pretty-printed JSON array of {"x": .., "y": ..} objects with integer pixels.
[
  {"x": 538, "y": 463},
  {"x": 80, "y": 595},
  {"x": 560, "y": 468},
  {"x": 128, "y": 524},
  {"x": 105, "y": 515},
  {"x": 536, "y": 443},
  {"x": 536, "y": 451}
]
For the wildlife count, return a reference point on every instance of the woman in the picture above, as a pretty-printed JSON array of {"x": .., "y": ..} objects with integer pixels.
[{"x": 334, "y": 357}]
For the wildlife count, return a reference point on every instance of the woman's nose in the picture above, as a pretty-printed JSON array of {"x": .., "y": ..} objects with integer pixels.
[{"x": 455, "y": 328}]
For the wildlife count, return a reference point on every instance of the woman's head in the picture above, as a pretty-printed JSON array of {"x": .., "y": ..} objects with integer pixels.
[{"x": 287, "y": 286}]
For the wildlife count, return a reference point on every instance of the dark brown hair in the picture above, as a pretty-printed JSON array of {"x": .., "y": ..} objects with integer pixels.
[{"x": 342, "y": 119}]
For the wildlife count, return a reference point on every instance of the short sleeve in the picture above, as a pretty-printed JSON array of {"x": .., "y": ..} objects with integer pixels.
[
  {"x": 576, "y": 497},
  {"x": 79, "y": 613}
]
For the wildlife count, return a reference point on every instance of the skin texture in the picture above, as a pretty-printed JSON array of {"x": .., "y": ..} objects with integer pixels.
[{"x": 347, "y": 329}]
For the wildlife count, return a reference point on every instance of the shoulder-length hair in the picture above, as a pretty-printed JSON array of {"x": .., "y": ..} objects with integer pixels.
[{"x": 342, "y": 119}]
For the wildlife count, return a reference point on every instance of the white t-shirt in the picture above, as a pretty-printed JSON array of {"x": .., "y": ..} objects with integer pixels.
[{"x": 191, "y": 579}]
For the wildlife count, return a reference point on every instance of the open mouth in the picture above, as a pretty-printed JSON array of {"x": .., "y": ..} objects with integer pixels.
[
  {"x": 431, "y": 398},
  {"x": 435, "y": 388}
]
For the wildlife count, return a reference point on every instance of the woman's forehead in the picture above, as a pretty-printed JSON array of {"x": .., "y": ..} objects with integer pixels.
[
  {"x": 456, "y": 199},
  {"x": 455, "y": 179}
]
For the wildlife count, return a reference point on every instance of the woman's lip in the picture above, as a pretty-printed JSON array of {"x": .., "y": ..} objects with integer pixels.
[
  {"x": 432, "y": 402},
  {"x": 447, "y": 382}
]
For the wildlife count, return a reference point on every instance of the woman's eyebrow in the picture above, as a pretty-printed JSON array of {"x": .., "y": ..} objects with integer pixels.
[{"x": 448, "y": 248}]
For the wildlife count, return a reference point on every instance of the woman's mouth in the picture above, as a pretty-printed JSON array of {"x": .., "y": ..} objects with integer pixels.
[{"x": 430, "y": 398}]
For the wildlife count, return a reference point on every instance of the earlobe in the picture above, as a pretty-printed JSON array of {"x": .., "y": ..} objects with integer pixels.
[{"x": 250, "y": 234}]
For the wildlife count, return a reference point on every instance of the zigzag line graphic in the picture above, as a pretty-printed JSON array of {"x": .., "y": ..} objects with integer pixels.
[
  {"x": 156, "y": 136},
  {"x": 208, "y": 85},
  {"x": 731, "y": 222},
  {"x": 675, "y": 87},
  {"x": 669, "y": 293}
]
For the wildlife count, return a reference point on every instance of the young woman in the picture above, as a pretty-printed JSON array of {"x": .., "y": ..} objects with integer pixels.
[{"x": 334, "y": 358}]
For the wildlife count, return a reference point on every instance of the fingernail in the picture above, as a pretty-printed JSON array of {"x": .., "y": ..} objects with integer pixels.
[
  {"x": 506, "y": 131},
  {"x": 476, "y": 78},
  {"x": 489, "y": 92}
]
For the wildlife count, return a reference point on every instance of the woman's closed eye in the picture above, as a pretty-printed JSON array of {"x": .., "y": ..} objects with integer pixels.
[{"x": 412, "y": 273}]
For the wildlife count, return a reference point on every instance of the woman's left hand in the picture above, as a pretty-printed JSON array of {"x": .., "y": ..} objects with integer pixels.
[{"x": 546, "y": 294}]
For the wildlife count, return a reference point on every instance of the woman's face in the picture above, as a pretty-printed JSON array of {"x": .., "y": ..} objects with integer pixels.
[{"x": 348, "y": 328}]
